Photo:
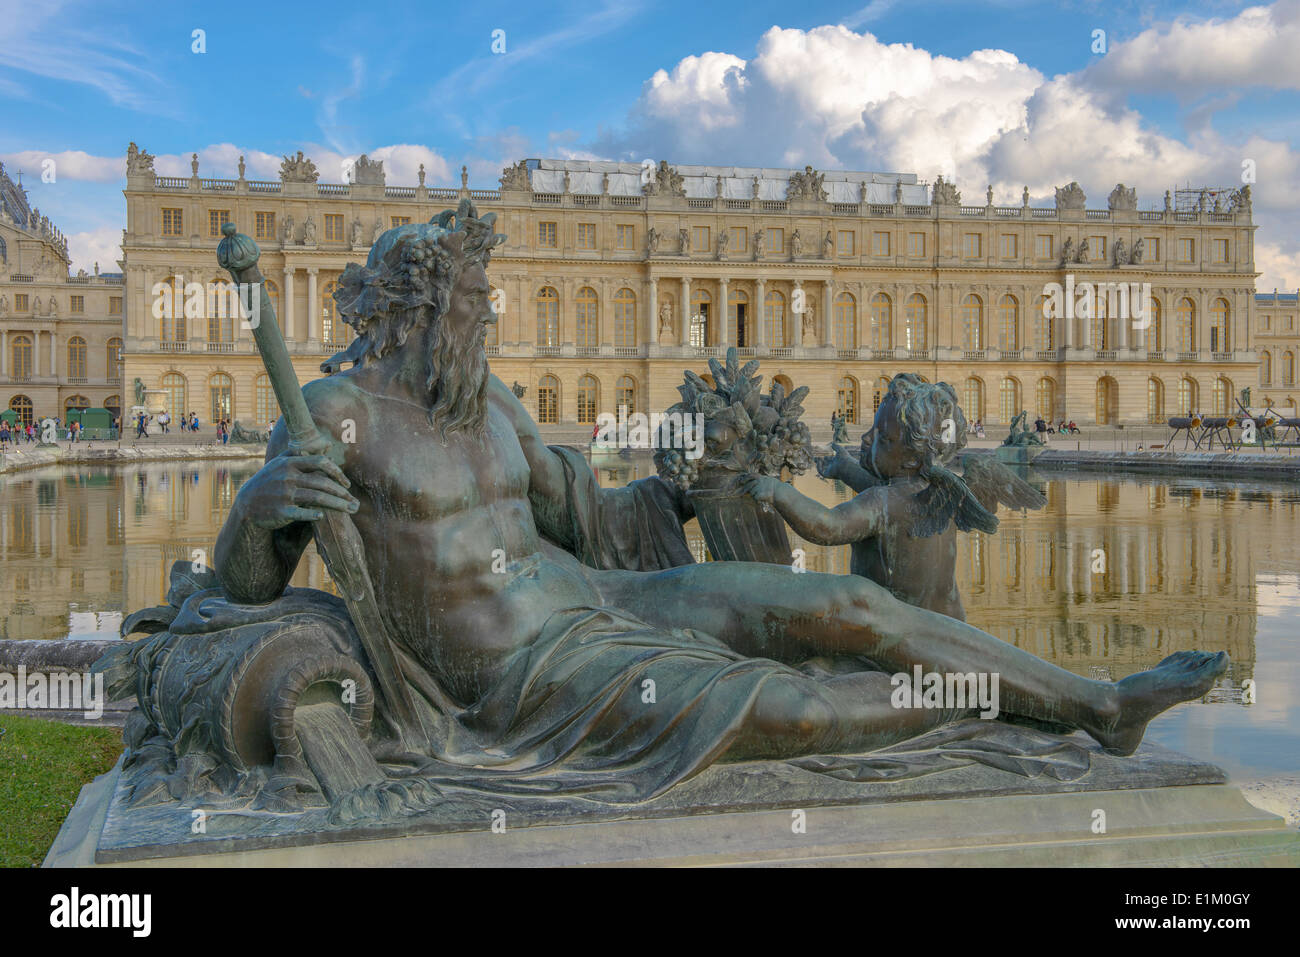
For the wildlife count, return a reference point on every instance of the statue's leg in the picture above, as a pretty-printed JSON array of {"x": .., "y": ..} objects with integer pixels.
[{"x": 770, "y": 611}]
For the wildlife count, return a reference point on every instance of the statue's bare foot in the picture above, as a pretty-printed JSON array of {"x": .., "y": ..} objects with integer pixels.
[{"x": 1182, "y": 676}]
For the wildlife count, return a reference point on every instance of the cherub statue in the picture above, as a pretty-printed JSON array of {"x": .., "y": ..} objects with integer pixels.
[{"x": 903, "y": 522}]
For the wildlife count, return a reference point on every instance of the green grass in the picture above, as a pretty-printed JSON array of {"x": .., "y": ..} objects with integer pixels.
[{"x": 43, "y": 765}]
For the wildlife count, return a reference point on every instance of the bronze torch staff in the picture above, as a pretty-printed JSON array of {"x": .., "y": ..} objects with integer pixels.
[{"x": 337, "y": 538}]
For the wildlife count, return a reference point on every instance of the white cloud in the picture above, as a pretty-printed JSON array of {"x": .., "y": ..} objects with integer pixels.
[{"x": 103, "y": 246}]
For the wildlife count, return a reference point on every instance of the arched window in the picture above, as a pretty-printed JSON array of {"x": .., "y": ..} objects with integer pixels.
[
  {"x": 847, "y": 399},
  {"x": 220, "y": 391},
  {"x": 22, "y": 405},
  {"x": 846, "y": 321},
  {"x": 548, "y": 399},
  {"x": 333, "y": 330},
  {"x": 1153, "y": 334},
  {"x": 878, "y": 395},
  {"x": 701, "y": 309},
  {"x": 972, "y": 319},
  {"x": 586, "y": 311},
  {"x": 1155, "y": 401},
  {"x": 76, "y": 358},
  {"x": 588, "y": 399},
  {"x": 268, "y": 410},
  {"x": 1009, "y": 399},
  {"x": 1046, "y": 396},
  {"x": 625, "y": 395},
  {"x": 738, "y": 317},
  {"x": 1222, "y": 396},
  {"x": 916, "y": 323},
  {"x": 168, "y": 306},
  {"x": 1188, "y": 397},
  {"x": 774, "y": 318},
  {"x": 1185, "y": 328},
  {"x": 1266, "y": 368},
  {"x": 20, "y": 358},
  {"x": 173, "y": 384},
  {"x": 114, "y": 350},
  {"x": 882, "y": 321},
  {"x": 1219, "y": 326},
  {"x": 1009, "y": 319},
  {"x": 1288, "y": 368},
  {"x": 114, "y": 405},
  {"x": 974, "y": 399},
  {"x": 625, "y": 319},
  {"x": 74, "y": 402},
  {"x": 1107, "y": 401},
  {"x": 223, "y": 308},
  {"x": 548, "y": 317},
  {"x": 1045, "y": 320}
]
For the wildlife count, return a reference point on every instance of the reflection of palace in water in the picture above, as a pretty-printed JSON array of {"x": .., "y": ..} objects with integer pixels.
[{"x": 1181, "y": 558}]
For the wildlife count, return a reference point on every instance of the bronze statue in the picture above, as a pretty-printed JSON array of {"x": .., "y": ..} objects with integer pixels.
[{"x": 507, "y": 626}]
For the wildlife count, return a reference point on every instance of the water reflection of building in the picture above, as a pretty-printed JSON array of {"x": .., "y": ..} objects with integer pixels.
[
  {"x": 1181, "y": 559},
  {"x": 1178, "y": 567}
]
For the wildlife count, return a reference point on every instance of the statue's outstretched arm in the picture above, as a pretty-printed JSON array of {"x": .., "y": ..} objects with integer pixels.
[{"x": 860, "y": 517}]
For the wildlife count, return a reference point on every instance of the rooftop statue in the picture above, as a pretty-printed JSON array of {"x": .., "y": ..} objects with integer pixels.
[
  {"x": 665, "y": 182},
  {"x": 502, "y": 614},
  {"x": 1070, "y": 196},
  {"x": 944, "y": 194},
  {"x": 138, "y": 161},
  {"x": 516, "y": 176},
  {"x": 1122, "y": 198},
  {"x": 298, "y": 169},
  {"x": 806, "y": 185}
]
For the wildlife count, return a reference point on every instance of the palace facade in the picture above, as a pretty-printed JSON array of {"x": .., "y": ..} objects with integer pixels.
[
  {"x": 60, "y": 335},
  {"x": 617, "y": 276}
]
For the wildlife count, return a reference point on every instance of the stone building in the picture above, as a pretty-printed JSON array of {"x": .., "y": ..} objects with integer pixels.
[
  {"x": 1277, "y": 335},
  {"x": 616, "y": 276},
  {"x": 60, "y": 335}
]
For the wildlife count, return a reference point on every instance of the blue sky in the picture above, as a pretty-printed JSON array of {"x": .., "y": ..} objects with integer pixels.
[{"x": 1008, "y": 93}]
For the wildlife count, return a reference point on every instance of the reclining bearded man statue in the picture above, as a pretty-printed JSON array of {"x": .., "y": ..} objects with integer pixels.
[{"x": 552, "y": 639}]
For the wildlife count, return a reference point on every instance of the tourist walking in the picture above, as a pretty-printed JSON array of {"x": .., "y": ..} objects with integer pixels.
[{"x": 5, "y": 435}]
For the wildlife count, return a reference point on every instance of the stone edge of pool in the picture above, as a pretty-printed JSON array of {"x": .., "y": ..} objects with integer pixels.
[
  {"x": 1224, "y": 464},
  {"x": 22, "y": 461}
]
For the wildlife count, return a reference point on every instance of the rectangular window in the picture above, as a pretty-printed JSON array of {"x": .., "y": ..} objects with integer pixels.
[
  {"x": 1266, "y": 322},
  {"x": 700, "y": 239},
  {"x": 844, "y": 244},
  {"x": 1220, "y": 250},
  {"x": 1097, "y": 249},
  {"x": 880, "y": 244},
  {"x": 626, "y": 237},
  {"x": 973, "y": 246},
  {"x": 114, "y": 305},
  {"x": 78, "y": 304},
  {"x": 546, "y": 235},
  {"x": 586, "y": 235},
  {"x": 1046, "y": 246},
  {"x": 1186, "y": 250},
  {"x": 21, "y": 302},
  {"x": 216, "y": 218},
  {"x": 741, "y": 236},
  {"x": 265, "y": 225},
  {"x": 333, "y": 227},
  {"x": 776, "y": 240},
  {"x": 1151, "y": 249},
  {"x": 171, "y": 221},
  {"x": 1009, "y": 246},
  {"x": 396, "y": 221},
  {"x": 916, "y": 245}
]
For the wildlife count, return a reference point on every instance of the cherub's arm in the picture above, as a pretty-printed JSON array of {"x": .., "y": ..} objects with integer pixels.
[
  {"x": 845, "y": 468},
  {"x": 852, "y": 521}
]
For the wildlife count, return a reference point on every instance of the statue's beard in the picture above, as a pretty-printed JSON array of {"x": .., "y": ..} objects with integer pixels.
[{"x": 458, "y": 379}]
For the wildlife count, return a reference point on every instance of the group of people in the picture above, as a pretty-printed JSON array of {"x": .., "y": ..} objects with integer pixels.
[
  {"x": 12, "y": 434},
  {"x": 189, "y": 423}
]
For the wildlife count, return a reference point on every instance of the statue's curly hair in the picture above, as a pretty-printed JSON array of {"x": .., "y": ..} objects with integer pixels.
[
  {"x": 411, "y": 268},
  {"x": 923, "y": 409}
]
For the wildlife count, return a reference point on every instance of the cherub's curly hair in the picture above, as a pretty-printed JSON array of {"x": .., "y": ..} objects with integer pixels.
[{"x": 923, "y": 410}]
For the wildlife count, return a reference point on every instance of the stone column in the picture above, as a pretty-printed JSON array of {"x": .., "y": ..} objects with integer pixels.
[
  {"x": 722, "y": 335},
  {"x": 796, "y": 319},
  {"x": 313, "y": 309},
  {"x": 828, "y": 313},
  {"x": 4, "y": 351},
  {"x": 684, "y": 334},
  {"x": 54, "y": 352},
  {"x": 36, "y": 353},
  {"x": 286, "y": 304},
  {"x": 760, "y": 312}
]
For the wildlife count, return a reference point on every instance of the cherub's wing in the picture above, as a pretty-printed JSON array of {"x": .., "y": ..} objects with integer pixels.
[
  {"x": 948, "y": 499},
  {"x": 993, "y": 484}
]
